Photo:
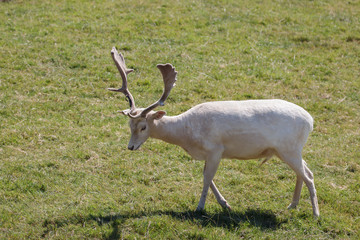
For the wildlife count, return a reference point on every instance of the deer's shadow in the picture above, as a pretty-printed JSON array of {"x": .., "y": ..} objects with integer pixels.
[{"x": 263, "y": 219}]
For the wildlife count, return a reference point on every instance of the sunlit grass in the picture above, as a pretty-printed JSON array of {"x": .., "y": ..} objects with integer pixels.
[{"x": 65, "y": 172}]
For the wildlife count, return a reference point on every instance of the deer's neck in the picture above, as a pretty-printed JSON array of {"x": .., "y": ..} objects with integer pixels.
[{"x": 169, "y": 129}]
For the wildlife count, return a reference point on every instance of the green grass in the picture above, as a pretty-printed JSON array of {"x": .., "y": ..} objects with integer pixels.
[{"x": 65, "y": 171}]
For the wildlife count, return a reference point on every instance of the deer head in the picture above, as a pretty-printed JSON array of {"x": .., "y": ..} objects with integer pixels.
[{"x": 141, "y": 117}]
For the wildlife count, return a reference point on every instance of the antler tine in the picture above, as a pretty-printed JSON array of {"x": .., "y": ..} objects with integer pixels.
[
  {"x": 169, "y": 77},
  {"x": 120, "y": 64}
]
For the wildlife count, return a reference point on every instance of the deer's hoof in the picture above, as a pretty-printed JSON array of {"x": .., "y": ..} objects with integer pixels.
[
  {"x": 292, "y": 206},
  {"x": 227, "y": 206},
  {"x": 199, "y": 209}
]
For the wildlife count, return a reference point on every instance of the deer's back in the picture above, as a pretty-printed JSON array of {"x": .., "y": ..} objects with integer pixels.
[{"x": 248, "y": 129}]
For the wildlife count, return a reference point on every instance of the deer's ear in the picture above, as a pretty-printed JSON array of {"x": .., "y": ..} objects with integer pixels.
[
  {"x": 125, "y": 112},
  {"x": 158, "y": 115}
]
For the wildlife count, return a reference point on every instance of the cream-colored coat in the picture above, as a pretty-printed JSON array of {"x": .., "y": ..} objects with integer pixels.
[{"x": 234, "y": 129}]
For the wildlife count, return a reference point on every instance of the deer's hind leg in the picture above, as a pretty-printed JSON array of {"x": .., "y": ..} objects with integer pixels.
[
  {"x": 297, "y": 192},
  {"x": 303, "y": 174}
]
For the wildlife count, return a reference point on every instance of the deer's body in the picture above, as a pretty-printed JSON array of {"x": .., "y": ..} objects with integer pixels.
[
  {"x": 238, "y": 129},
  {"x": 225, "y": 129}
]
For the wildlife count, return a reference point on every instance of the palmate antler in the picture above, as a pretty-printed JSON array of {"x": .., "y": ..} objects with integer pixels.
[
  {"x": 169, "y": 77},
  {"x": 120, "y": 64}
]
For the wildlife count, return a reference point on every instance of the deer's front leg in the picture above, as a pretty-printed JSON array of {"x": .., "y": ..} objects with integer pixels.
[
  {"x": 210, "y": 168},
  {"x": 221, "y": 200}
]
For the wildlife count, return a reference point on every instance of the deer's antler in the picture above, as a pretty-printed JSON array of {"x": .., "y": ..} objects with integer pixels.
[
  {"x": 169, "y": 77},
  {"x": 120, "y": 64}
]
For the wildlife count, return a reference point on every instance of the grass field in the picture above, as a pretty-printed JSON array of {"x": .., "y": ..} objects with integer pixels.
[{"x": 65, "y": 171}]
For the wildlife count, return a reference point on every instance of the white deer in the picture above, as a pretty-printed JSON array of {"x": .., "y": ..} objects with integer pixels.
[{"x": 225, "y": 129}]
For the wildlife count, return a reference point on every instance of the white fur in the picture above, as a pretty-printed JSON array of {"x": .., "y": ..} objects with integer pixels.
[{"x": 234, "y": 129}]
